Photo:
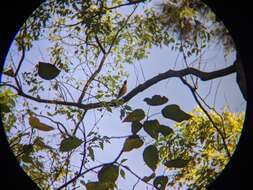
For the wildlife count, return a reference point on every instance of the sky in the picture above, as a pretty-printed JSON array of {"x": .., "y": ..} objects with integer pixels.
[{"x": 159, "y": 60}]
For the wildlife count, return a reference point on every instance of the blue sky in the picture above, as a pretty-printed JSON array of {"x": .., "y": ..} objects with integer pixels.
[{"x": 159, "y": 60}]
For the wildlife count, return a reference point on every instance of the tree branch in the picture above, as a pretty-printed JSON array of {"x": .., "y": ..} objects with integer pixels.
[
  {"x": 103, "y": 59},
  {"x": 204, "y": 76},
  {"x": 92, "y": 78},
  {"x": 21, "y": 60},
  {"x": 126, "y": 4},
  {"x": 209, "y": 117}
]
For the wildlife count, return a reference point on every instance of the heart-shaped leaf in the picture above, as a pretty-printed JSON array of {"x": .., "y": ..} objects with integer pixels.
[
  {"x": 160, "y": 182},
  {"x": 174, "y": 112},
  {"x": 151, "y": 127},
  {"x": 47, "y": 71},
  {"x": 176, "y": 163},
  {"x": 70, "y": 143},
  {"x": 151, "y": 157},
  {"x": 165, "y": 130},
  {"x": 35, "y": 123},
  {"x": 132, "y": 142},
  {"x": 136, "y": 127},
  {"x": 136, "y": 115},
  {"x": 156, "y": 100},
  {"x": 108, "y": 173}
]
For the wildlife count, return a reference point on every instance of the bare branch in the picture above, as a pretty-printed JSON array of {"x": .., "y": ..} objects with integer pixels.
[
  {"x": 126, "y": 4},
  {"x": 100, "y": 45},
  {"x": 92, "y": 78}
]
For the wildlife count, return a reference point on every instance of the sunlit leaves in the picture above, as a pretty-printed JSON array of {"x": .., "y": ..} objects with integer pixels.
[
  {"x": 47, "y": 71},
  {"x": 136, "y": 115},
  {"x": 132, "y": 142},
  {"x": 151, "y": 157},
  {"x": 160, "y": 182},
  {"x": 35, "y": 123},
  {"x": 70, "y": 143},
  {"x": 174, "y": 112},
  {"x": 156, "y": 100}
]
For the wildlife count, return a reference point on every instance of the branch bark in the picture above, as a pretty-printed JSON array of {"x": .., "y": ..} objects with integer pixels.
[{"x": 204, "y": 76}]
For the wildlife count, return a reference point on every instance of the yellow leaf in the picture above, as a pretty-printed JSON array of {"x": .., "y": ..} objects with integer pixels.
[{"x": 35, "y": 123}]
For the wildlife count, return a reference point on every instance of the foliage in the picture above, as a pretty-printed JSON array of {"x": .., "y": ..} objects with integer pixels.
[
  {"x": 204, "y": 156},
  {"x": 90, "y": 44}
]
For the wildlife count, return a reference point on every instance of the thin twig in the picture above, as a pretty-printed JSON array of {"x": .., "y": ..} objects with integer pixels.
[{"x": 207, "y": 114}]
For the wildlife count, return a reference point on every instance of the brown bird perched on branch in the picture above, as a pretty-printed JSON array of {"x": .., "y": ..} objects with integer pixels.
[{"x": 123, "y": 89}]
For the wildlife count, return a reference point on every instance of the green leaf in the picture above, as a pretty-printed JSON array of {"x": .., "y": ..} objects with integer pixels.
[
  {"x": 165, "y": 130},
  {"x": 151, "y": 127},
  {"x": 136, "y": 115},
  {"x": 27, "y": 148},
  {"x": 40, "y": 144},
  {"x": 176, "y": 163},
  {"x": 108, "y": 173},
  {"x": 150, "y": 157},
  {"x": 123, "y": 160},
  {"x": 122, "y": 174},
  {"x": 91, "y": 153},
  {"x": 108, "y": 108},
  {"x": 35, "y": 123},
  {"x": 4, "y": 108},
  {"x": 156, "y": 100},
  {"x": 136, "y": 127},
  {"x": 47, "y": 71},
  {"x": 160, "y": 182},
  {"x": 70, "y": 143},
  {"x": 27, "y": 158},
  {"x": 174, "y": 112},
  {"x": 148, "y": 178},
  {"x": 132, "y": 142},
  {"x": 97, "y": 185}
]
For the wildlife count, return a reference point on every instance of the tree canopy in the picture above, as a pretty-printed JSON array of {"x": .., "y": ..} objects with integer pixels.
[{"x": 47, "y": 105}]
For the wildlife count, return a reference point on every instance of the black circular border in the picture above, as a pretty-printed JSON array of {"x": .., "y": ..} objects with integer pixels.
[{"x": 236, "y": 17}]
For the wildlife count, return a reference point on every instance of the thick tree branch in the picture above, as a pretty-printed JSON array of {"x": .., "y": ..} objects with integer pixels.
[{"x": 204, "y": 76}]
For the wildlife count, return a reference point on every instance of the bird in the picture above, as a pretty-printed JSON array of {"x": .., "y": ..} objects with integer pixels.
[{"x": 123, "y": 89}]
